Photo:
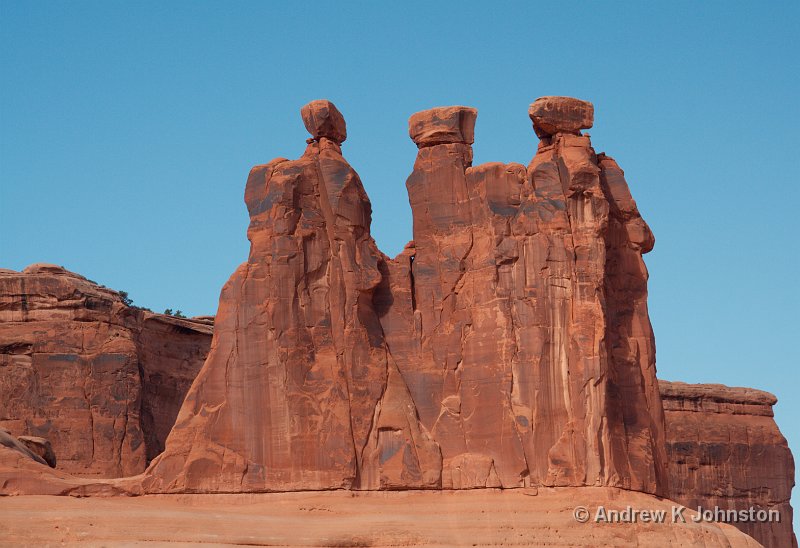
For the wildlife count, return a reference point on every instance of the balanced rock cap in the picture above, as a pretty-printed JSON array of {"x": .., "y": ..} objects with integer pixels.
[
  {"x": 443, "y": 125},
  {"x": 323, "y": 119},
  {"x": 551, "y": 115}
]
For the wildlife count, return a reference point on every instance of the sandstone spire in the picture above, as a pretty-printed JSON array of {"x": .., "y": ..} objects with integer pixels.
[
  {"x": 299, "y": 390},
  {"x": 507, "y": 346}
]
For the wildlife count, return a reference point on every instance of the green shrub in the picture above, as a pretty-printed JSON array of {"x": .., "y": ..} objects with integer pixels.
[{"x": 125, "y": 299}]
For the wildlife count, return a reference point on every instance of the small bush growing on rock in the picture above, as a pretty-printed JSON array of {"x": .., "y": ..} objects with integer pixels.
[
  {"x": 174, "y": 313},
  {"x": 125, "y": 299}
]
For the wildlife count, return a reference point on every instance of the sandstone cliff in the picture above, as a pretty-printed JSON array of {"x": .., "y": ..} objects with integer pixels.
[
  {"x": 508, "y": 345},
  {"x": 531, "y": 358},
  {"x": 726, "y": 451},
  {"x": 100, "y": 380}
]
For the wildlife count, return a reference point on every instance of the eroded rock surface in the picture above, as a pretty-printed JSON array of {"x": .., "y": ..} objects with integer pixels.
[
  {"x": 323, "y": 119},
  {"x": 299, "y": 390},
  {"x": 41, "y": 447},
  {"x": 726, "y": 451},
  {"x": 100, "y": 381},
  {"x": 20, "y": 449},
  {"x": 171, "y": 352},
  {"x": 485, "y": 517},
  {"x": 443, "y": 125},
  {"x": 509, "y": 345},
  {"x": 552, "y": 115},
  {"x": 512, "y": 363},
  {"x": 24, "y": 472}
]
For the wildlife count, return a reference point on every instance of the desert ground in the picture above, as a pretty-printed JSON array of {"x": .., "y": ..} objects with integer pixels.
[{"x": 518, "y": 517}]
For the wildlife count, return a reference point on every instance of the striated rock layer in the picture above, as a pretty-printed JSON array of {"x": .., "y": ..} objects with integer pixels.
[
  {"x": 101, "y": 381},
  {"x": 726, "y": 451},
  {"x": 508, "y": 345}
]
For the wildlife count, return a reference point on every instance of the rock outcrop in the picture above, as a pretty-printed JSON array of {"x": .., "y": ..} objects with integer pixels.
[
  {"x": 725, "y": 451},
  {"x": 507, "y": 292},
  {"x": 24, "y": 472},
  {"x": 171, "y": 352},
  {"x": 553, "y": 115},
  {"x": 9, "y": 443},
  {"x": 41, "y": 447},
  {"x": 299, "y": 391},
  {"x": 99, "y": 380},
  {"x": 507, "y": 346}
]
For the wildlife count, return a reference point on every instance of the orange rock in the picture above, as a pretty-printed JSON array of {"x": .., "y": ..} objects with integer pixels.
[
  {"x": 323, "y": 119},
  {"x": 551, "y": 115},
  {"x": 508, "y": 345},
  {"x": 22, "y": 472},
  {"x": 443, "y": 125},
  {"x": 40, "y": 447},
  {"x": 726, "y": 451},
  {"x": 482, "y": 356},
  {"x": 299, "y": 390},
  {"x": 10, "y": 443},
  {"x": 99, "y": 380},
  {"x": 512, "y": 362}
]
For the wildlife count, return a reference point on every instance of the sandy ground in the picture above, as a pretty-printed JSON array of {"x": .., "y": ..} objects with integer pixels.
[{"x": 341, "y": 518}]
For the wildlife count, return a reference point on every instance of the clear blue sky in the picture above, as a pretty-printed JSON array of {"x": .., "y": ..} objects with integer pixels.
[{"x": 127, "y": 131}]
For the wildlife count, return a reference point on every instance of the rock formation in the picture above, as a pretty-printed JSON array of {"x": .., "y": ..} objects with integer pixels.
[
  {"x": 508, "y": 345},
  {"x": 299, "y": 391},
  {"x": 24, "y": 470},
  {"x": 171, "y": 352},
  {"x": 9, "y": 442},
  {"x": 553, "y": 115},
  {"x": 101, "y": 381},
  {"x": 726, "y": 451},
  {"x": 40, "y": 447},
  {"x": 507, "y": 292}
]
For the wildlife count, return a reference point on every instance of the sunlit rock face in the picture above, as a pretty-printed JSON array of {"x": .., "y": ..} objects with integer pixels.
[
  {"x": 99, "y": 380},
  {"x": 531, "y": 359},
  {"x": 508, "y": 345},
  {"x": 725, "y": 451}
]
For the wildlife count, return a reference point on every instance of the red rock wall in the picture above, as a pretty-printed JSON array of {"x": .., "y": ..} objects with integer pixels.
[
  {"x": 482, "y": 356},
  {"x": 170, "y": 352},
  {"x": 726, "y": 451},
  {"x": 507, "y": 345},
  {"x": 298, "y": 391},
  {"x": 512, "y": 364},
  {"x": 100, "y": 380}
]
